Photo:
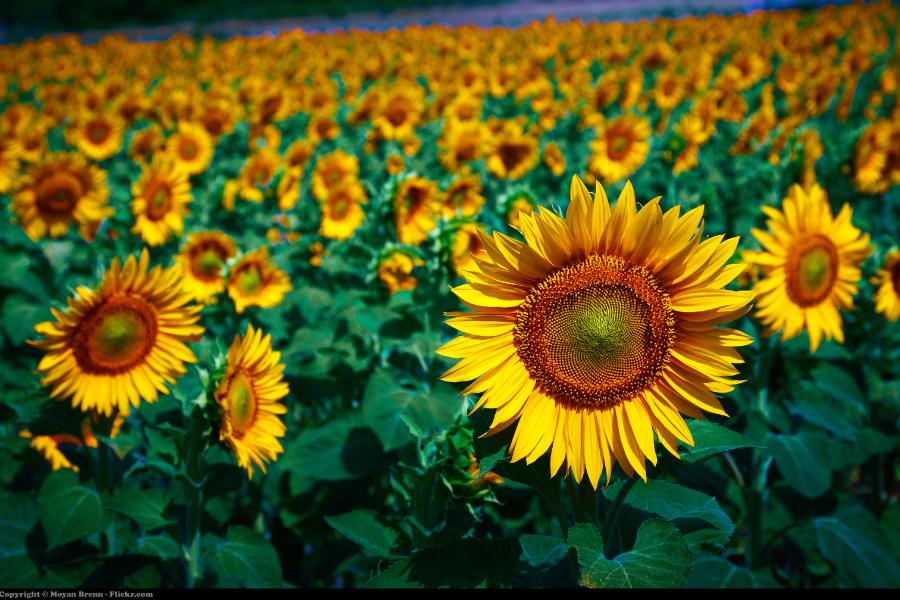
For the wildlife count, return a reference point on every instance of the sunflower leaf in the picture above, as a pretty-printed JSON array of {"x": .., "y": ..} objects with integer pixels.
[
  {"x": 144, "y": 506},
  {"x": 855, "y": 545},
  {"x": 69, "y": 511},
  {"x": 660, "y": 558},
  {"x": 362, "y": 527},
  {"x": 246, "y": 559},
  {"x": 803, "y": 460},
  {"x": 542, "y": 550},
  {"x": 711, "y": 571},
  {"x": 711, "y": 439}
]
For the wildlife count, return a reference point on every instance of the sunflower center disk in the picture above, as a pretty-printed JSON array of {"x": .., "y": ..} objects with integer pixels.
[
  {"x": 188, "y": 150},
  {"x": 116, "y": 337},
  {"x": 208, "y": 264},
  {"x": 811, "y": 270},
  {"x": 595, "y": 333},
  {"x": 59, "y": 193},
  {"x": 158, "y": 200},
  {"x": 249, "y": 281},
  {"x": 242, "y": 403}
]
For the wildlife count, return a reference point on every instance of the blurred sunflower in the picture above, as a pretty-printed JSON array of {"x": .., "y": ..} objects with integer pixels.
[
  {"x": 250, "y": 398},
  {"x": 416, "y": 206},
  {"x": 887, "y": 282},
  {"x": 554, "y": 159},
  {"x": 599, "y": 331},
  {"x": 332, "y": 171},
  {"x": 191, "y": 147},
  {"x": 322, "y": 127},
  {"x": 463, "y": 196},
  {"x": 145, "y": 143},
  {"x": 257, "y": 174},
  {"x": 288, "y": 190},
  {"x": 810, "y": 266},
  {"x": 97, "y": 135},
  {"x": 120, "y": 343},
  {"x": 9, "y": 163},
  {"x": 466, "y": 246},
  {"x": 342, "y": 212},
  {"x": 159, "y": 201},
  {"x": 395, "y": 270},
  {"x": 400, "y": 111},
  {"x": 255, "y": 281},
  {"x": 61, "y": 190},
  {"x": 298, "y": 154},
  {"x": 394, "y": 164},
  {"x": 202, "y": 259},
  {"x": 621, "y": 146},
  {"x": 461, "y": 142},
  {"x": 512, "y": 154},
  {"x": 48, "y": 446}
]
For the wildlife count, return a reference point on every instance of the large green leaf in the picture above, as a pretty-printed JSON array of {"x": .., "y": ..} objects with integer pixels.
[
  {"x": 855, "y": 545},
  {"x": 161, "y": 546},
  {"x": 660, "y": 558},
  {"x": 18, "y": 514},
  {"x": 384, "y": 404},
  {"x": 144, "y": 506},
  {"x": 459, "y": 563},
  {"x": 804, "y": 461},
  {"x": 246, "y": 559},
  {"x": 362, "y": 527},
  {"x": 542, "y": 550},
  {"x": 711, "y": 439},
  {"x": 69, "y": 510},
  {"x": 673, "y": 501},
  {"x": 711, "y": 571}
]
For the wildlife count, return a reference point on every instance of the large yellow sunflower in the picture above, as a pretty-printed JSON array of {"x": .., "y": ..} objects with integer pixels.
[
  {"x": 122, "y": 342},
  {"x": 887, "y": 282},
  {"x": 810, "y": 266},
  {"x": 621, "y": 146},
  {"x": 202, "y": 259},
  {"x": 159, "y": 201},
  {"x": 59, "y": 191},
  {"x": 249, "y": 396},
  {"x": 415, "y": 209},
  {"x": 255, "y": 281},
  {"x": 191, "y": 147},
  {"x": 599, "y": 331}
]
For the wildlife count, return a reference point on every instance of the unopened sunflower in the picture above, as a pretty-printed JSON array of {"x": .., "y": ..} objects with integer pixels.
[
  {"x": 887, "y": 282},
  {"x": 250, "y": 399},
  {"x": 810, "y": 266},
  {"x": 255, "y": 281},
  {"x": 120, "y": 343},
  {"x": 159, "y": 201},
  {"x": 599, "y": 331},
  {"x": 58, "y": 192},
  {"x": 202, "y": 259}
]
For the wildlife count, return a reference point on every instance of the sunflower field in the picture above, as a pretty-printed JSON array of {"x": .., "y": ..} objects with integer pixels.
[{"x": 577, "y": 304}]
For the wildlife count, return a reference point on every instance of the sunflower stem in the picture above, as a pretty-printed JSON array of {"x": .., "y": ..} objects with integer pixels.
[
  {"x": 194, "y": 481},
  {"x": 612, "y": 517},
  {"x": 580, "y": 516}
]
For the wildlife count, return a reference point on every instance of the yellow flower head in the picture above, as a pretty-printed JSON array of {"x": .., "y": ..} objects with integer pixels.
[
  {"x": 342, "y": 212},
  {"x": 887, "y": 283},
  {"x": 621, "y": 146},
  {"x": 255, "y": 281},
  {"x": 395, "y": 271},
  {"x": 191, "y": 147},
  {"x": 415, "y": 208},
  {"x": 202, "y": 259},
  {"x": 159, "y": 201}
]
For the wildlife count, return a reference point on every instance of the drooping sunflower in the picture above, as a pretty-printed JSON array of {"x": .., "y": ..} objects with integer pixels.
[
  {"x": 395, "y": 270},
  {"x": 288, "y": 190},
  {"x": 120, "y": 343},
  {"x": 621, "y": 146},
  {"x": 249, "y": 397},
  {"x": 298, "y": 154},
  {"x": 159, "y": 201},
  {"x": 191, "y": 147},
  {"x": 202, "y": 259},
  {"x": 342, "y": 212},
  {"x": 145, "y": 143},
  {"x": 255, "y": 281},
  {"x": 416, "y": 206},
  {"x": 887, "y": 282},
  {"x": 97, "y": 135},
  {"x": 810, "y": 266},
  {"x": 599, "y": 331},
  {"x": 59, "y": 191}
]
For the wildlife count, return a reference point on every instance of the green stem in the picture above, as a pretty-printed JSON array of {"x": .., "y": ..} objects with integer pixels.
[
  {"x": 580, "y": 517},
  {"x": 754, "y": 500},
  {"x": 612, "y": 518},
  {"x": 193, "y": 481}
]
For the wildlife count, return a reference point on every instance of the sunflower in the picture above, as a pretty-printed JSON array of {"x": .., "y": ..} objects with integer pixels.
[
  {"x": 395, "y": 270},
  {"x": 887, "y": 280},
  {"x": 255, "y": 281},
  {"x": 512, "y": 154},
  {"x": 332, "y": 171},
  {"x": 160, "y": 199},
  {"x": 298, "y": 154},
  {"x": 191, "y": 147},
  {"x": 466, "y": 246},
  {"x": 48, "y": 446},
  {"x": 119, "y": 344},
  {"x": 9, "y": 163},
  {"x": 322, "y": 127},
  {"x": 257, "y": 174},
  {"x": 621, "y": 146},
  {"x": 342, "y": 212},
  {"x": 59, "y": 191},
  {"x": 871, "y": 158},
  {"x": 394, "y": 164},
  {"x": 202, "y": 259},
  {"x": 810, "y": 266},
  {"x": 249, "y": 397},
  {"x": 97, "y": 135},
  {"x": 145, "y": 143},
  {"x": 288, "y": 190},
  {"x": 461, "y": 142},
  {"x": 463, "y": 196},
  {"x": 554, "y": 159},
  {"x": 599, "y": 331},
  {"x": 415, "y": 208},
  {"x": 400, "y": 112}
]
